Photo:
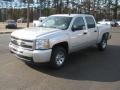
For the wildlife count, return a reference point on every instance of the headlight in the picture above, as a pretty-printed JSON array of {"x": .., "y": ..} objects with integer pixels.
[{"x": 41, "y": 44}]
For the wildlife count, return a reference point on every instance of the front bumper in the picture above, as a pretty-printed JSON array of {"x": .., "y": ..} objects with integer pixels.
[{"x": 37, "y": 56}]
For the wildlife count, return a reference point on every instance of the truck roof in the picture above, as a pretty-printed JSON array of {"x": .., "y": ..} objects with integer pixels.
[{"x": 71, "y": 15}]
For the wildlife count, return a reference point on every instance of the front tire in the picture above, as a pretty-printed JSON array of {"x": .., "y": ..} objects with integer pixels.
[
  {"x": 59, "y": 55},
  {"x": 103, "y": 44}
]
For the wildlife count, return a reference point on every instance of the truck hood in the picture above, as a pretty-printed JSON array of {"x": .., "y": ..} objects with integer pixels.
[{"x": 33, "y": 33}]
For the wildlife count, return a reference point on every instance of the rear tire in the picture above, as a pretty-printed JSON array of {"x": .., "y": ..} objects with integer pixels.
[
  {"x": 59, "y": 55},
  {"x": 103, "y": 44}
]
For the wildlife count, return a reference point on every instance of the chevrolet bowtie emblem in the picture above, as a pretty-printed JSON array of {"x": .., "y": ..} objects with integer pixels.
[{"x": 19, "y": 42}]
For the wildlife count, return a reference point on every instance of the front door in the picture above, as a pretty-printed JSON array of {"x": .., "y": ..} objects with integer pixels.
[{"x": 78, "y": 34}]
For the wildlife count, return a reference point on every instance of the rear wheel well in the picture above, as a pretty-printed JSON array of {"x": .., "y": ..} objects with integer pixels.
[
  {"x": 106, "y": 35},
  {"x": 63, "y": 45}
]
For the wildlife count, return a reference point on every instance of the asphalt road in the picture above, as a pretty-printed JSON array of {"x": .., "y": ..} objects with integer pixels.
[{"x": 88, "y": 69}]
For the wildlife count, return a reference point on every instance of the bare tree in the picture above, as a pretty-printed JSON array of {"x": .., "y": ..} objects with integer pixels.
[{"x": 115, "y": 9}]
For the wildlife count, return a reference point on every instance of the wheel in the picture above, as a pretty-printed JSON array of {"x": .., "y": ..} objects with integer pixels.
[
  {"x": 103, "y": 44},
  {"x": 59, "y": 55}
]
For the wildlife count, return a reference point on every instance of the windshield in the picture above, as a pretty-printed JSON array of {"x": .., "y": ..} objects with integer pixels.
[{"x": 58, "y": 22}]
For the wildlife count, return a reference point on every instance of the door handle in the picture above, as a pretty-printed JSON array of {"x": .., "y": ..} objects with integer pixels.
[
  {"x": 95, "y": 31},
  {"x": 85, "y": 33}
]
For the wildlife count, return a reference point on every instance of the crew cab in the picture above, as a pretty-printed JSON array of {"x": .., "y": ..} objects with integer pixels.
[{"x": 58, "y": 36}]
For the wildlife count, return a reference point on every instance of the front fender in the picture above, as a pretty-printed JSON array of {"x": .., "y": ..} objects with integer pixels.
[{"x": 58, "y": 38}]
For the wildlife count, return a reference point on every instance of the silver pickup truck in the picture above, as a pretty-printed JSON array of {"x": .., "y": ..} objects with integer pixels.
[{"x": 58, "y": 36}]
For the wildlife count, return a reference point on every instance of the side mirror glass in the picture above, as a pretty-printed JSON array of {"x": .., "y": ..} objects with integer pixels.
[{"x": 75, "y": 28}]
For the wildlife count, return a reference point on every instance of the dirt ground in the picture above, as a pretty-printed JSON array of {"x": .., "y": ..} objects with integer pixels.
[{"x": 19, "y": 26}]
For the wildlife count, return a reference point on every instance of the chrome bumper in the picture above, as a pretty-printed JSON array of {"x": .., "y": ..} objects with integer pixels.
[{"x": 37, "y": 56}]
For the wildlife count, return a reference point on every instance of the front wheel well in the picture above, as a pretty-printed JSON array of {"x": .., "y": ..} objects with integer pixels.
[{"x": 62, "y": 44}]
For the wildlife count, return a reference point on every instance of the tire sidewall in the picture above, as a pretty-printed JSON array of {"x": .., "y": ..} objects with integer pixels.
[
  {"x": 55, "y": 51},
  {"x": 100, "y": 45},
  {"x": 104, "y": 41}
]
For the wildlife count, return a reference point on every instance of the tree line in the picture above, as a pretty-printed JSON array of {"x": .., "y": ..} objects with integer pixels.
[{"x": 101, "y": 9}]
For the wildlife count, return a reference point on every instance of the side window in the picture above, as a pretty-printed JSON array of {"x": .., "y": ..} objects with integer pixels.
[
  {"x": 78, "y": 24},
  {"x": 90, "y": 22}
]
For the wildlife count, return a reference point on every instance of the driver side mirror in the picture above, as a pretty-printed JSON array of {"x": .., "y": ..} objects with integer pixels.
[{"x": 76, "y": 28}]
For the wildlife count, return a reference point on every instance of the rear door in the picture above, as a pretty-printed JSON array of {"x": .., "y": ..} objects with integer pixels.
[
  {"x": 92, "y": 30},
  {"x": 78, "y": 33}
]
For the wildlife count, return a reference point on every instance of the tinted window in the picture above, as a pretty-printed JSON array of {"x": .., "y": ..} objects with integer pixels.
[
  {"x": 90, "y": 22},
  {"x": 79, "y": 23}
]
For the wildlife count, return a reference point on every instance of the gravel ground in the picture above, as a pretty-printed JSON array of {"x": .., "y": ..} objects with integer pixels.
[{"x": 19, "y": 25}]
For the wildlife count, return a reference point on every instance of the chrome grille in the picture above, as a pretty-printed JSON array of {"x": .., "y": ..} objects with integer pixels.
[{"x": 22, "y": 43}]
